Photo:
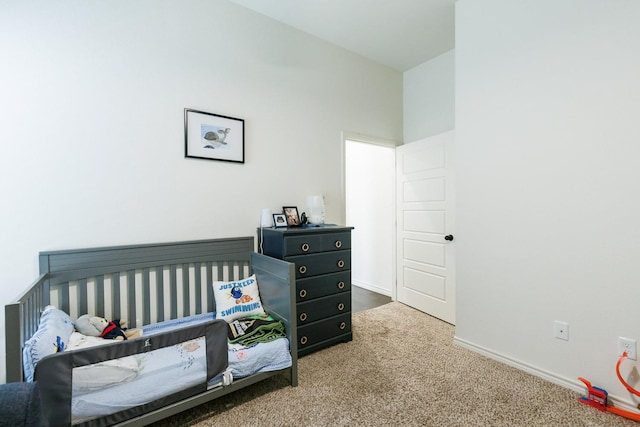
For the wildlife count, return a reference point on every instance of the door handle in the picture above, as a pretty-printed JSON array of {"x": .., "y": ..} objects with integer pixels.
[{"x": 448, "y": 237}]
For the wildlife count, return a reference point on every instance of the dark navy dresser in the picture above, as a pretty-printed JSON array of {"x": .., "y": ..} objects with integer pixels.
[{"x": 322, "y": 255}]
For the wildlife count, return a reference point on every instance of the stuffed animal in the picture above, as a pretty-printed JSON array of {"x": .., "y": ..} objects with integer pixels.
[{"x": 100, "y": 327}]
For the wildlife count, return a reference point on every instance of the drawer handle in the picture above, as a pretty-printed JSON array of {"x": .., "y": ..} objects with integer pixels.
[
  {"x": 302, "y": 269},
  {"x": 338, "y": 244},
  {"x": 303, "y": 317},
  {"x": 305, "y": 247},
  {"x": 341, "y": 306},
  {"x": 343, "y": 325},
  {"x": 340, "y": 285},
  {"x": 341, "y": 263},
  {"x": 303, "y": 293},
  {"x": 303, "y": 340}
]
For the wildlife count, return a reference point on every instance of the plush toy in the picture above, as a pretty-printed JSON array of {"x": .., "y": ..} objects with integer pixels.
[{"x": 100, "y": 327}]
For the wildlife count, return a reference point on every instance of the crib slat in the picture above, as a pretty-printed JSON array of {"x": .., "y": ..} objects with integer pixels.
[
  {"x": 63, "y": 293},
  {"x": 173, "y": 313},
  {"x": 186, "y": 299},
  {"x": 210, "y": 303},
  {"x": 146, "y": 297},
  {"x": 115, "y": 295},
  {"x": 131, "y": 298},
  {"x": 220, "y": 268},
  {"x": 100, "y": 310},
  {"x": 159, "y": 294},
  {"x": 198, "y": 287},
  {"x": 31, "y": 322},
  {"x": 82, "y": 297}
]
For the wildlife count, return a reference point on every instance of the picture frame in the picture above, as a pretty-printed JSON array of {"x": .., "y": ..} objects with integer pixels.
[
  {"x": 213, "y": 137},
  {"x": 291, "y": 213},
  {"x": 279, "y": 220}
]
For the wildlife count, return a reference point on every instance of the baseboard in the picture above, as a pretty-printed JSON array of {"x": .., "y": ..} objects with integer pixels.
[
  {"x": 574, "y": 385},
  {"x": 370, "y": 287}
]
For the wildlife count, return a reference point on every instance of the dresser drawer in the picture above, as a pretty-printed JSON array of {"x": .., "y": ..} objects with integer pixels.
[
  {"x": 321, "y": 286},
  {"x": 323, "y": 263},
  {"x": 323, "y": 330},
  {"x": 320, "y": 308},
  {"x": 314, "y": 243}
]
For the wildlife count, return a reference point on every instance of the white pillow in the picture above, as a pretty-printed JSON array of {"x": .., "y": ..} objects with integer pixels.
[
  {"x": 103, "y": 374},
  {"x": 53, "y": 334},
  {"x": 235, "y": 300}
]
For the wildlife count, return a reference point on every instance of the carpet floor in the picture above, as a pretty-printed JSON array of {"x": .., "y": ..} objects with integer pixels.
[{"x": 401, "y": 369}]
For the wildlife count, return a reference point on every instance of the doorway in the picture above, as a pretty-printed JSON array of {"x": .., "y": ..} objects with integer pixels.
[{"x": 370, "y": 209}]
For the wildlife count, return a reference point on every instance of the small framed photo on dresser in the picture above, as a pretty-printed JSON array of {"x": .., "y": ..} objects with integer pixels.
[
  {"x": 279, "y": 220},
  {"x": 291, "y": 212}
]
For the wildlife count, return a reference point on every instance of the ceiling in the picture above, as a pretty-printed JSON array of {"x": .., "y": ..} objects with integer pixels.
[{"x": 398, "y": 33}]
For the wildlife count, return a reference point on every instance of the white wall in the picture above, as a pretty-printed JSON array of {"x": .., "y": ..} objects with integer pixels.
[
  {"x": 547, "y": 105},
  {"x": 370, "y": 209},
  {"x": 92, "y": 103},
  {"x": 429, "y": 98}
]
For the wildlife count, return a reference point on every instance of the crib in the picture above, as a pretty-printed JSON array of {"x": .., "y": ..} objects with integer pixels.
[{"x": 147, "y": 284}]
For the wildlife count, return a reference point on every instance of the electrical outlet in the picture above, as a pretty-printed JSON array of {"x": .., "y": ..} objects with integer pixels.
[
  {"x": 561, "y": 330},
  {"x": 628, "y": 345}
]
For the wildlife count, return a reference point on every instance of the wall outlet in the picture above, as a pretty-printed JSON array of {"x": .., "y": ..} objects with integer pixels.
[
  {"x": 561, "y": 330},
  {"x": 628, "y": 345}
]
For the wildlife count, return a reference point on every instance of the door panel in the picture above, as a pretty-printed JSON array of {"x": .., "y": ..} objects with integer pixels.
[
  {"x": 424, "y": 190},
  {"x": 424, "y": 252},
  {"x": 431, "y": 284},
  {"x": 425, "y": 260},
  {"x": 424, "y": 221}
]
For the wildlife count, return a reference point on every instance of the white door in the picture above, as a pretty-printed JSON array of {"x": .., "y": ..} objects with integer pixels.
[{"x": 425, "y": 226}]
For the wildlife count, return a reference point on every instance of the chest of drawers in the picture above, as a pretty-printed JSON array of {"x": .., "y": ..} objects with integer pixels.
[{"x": 322, "y": 256}]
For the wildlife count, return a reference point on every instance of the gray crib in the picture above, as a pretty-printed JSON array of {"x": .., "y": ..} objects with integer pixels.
[{"x": 151, "y": 283}]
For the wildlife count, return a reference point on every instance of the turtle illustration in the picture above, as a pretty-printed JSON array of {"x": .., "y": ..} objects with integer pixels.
[{"x": 216, "y": 138}]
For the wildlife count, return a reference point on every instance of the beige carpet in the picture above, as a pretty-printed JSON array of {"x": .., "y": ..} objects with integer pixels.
[{"x": 401, "y": 369}]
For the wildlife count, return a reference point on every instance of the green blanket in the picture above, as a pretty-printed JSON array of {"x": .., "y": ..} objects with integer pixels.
[{"x": 252, "y": 330}]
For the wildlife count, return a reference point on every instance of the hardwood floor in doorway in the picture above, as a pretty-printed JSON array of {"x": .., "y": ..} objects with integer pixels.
[{"x": 364, "y": 299}]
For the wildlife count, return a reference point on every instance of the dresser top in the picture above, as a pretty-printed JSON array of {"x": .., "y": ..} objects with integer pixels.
[{"x": 308, "y": 228}]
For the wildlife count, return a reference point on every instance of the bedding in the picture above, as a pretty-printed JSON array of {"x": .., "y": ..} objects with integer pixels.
[
  {"x": 53, "y": 334},
  {"x": 56, "y": 334},
  {"x": 254, "y": 330},
  {"x": 264, "y": 357},
  {"x": 244, "y": 361},
  {"x": 103, "y": 374}
]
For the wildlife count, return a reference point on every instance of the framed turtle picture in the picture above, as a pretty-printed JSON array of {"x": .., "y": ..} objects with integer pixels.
[{"x": 213, "y": 137}]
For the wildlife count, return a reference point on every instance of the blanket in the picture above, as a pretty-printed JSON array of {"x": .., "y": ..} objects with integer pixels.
[{"x": 256, "y": 329}]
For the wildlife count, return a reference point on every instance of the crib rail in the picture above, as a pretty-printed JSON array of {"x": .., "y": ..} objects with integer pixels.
[
  {"x": 144, "y": 283},
  {"x": 147, "y": 295},
  {"x": 21, "y": 318}
]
